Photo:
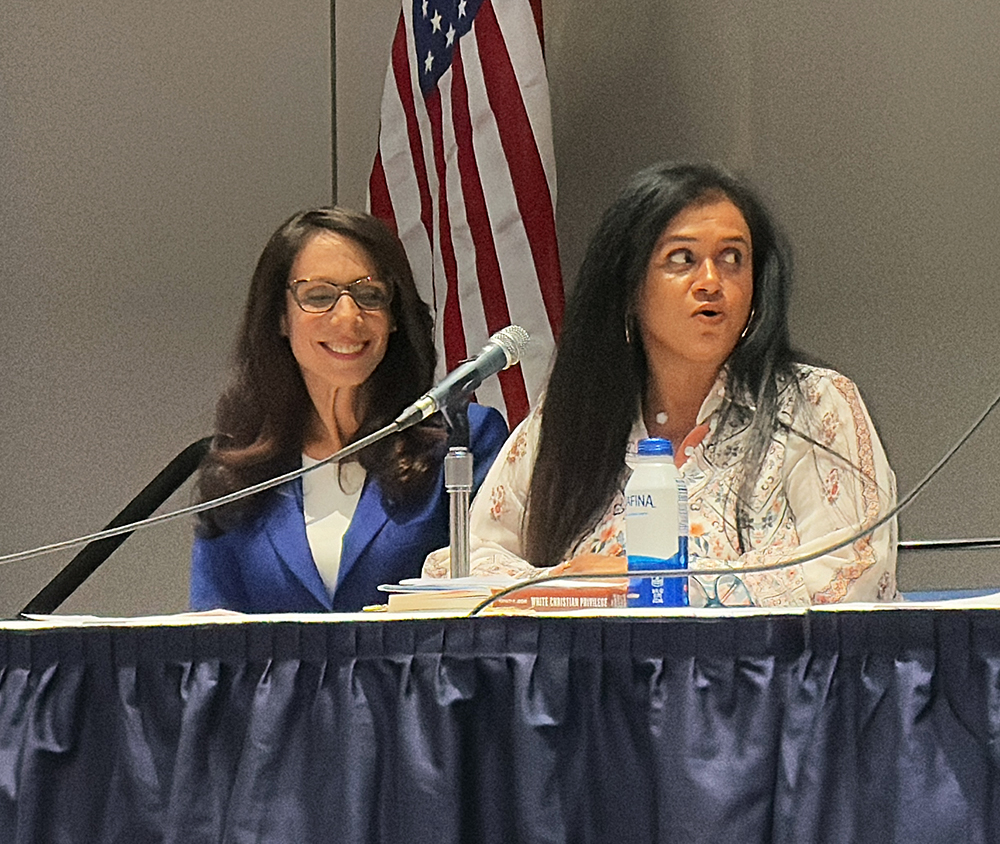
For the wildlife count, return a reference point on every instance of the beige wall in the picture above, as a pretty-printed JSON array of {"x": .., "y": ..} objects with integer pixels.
[{"x": 147, "y": 152}]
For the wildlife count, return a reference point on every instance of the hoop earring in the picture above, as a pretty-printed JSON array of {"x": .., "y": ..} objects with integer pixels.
[
  {"x": 746, "y": 328},
  {"x": 628, "y": 333}
]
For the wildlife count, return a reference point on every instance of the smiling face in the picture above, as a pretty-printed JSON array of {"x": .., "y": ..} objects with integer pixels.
[
  {"x": 695, "y": 300},
  {"x": 342, "y": 347}
]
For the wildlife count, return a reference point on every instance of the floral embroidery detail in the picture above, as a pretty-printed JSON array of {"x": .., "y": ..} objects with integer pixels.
[
  {"x": 497, "y": 497},
  {"x": 831, "y": 485},
  {"x": 865, "y": 555},
  {"x": 831, "y": 425},
  {"x": 437, "y": 566},
  {"x": 518, "y": 447}
]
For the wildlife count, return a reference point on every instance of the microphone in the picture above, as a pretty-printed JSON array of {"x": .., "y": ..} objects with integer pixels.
[{"x": 503, "y": 349}]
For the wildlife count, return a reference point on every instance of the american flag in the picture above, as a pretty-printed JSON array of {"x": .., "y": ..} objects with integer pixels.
[{"x": 465, "y": 173}]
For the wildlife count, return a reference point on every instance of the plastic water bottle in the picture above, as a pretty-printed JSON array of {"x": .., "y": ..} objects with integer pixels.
[{"x": 656, "y": 525}]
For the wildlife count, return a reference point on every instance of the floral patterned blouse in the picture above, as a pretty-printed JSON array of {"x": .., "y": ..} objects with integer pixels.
[{"x": 824, "y": 476}]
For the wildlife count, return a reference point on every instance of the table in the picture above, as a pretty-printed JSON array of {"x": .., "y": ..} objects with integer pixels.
[{"x": 800, "y": 726}]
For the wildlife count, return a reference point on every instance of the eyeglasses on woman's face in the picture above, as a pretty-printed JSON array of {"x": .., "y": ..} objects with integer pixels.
[{"x": 319, "y": 295}]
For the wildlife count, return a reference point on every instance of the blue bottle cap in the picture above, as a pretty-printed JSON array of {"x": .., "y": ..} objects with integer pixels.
[{"x": 657, "y": 446}]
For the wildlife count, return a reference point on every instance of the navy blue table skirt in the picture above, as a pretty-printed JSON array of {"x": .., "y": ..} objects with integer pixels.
[{"x": 876, "y": 726}]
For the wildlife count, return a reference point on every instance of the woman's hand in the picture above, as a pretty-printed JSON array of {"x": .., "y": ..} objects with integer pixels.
[{"x": 591, "y": 564}]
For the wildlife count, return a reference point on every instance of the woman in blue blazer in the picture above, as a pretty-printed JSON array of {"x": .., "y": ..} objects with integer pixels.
[{"x": 335, "y": 343}]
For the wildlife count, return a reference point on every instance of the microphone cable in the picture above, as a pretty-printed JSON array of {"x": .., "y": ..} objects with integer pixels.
[{"x": 337, "y": 456}]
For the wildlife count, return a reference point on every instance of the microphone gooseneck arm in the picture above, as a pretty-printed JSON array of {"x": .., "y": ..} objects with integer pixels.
[{"x": 503, "y": 350}]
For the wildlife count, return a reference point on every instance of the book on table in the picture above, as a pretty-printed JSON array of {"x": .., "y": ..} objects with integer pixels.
[{"x": 465, "y": 594}]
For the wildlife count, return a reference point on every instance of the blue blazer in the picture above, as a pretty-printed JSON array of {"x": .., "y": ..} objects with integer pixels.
[{"x": 265, "y": 565}]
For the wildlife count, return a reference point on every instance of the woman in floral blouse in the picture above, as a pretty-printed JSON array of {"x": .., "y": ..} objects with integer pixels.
[{"x": 677, "y": 328}]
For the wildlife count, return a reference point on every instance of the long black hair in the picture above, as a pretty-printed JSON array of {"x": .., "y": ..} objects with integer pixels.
[
  {"x": 262, "y": 417},
  {"x": 599, "y": 379}
]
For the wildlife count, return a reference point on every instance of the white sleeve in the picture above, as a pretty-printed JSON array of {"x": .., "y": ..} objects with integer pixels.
[{"x": 834, "y": 487}]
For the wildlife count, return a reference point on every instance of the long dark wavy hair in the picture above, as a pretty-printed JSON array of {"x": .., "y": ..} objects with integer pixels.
[
  {"x": 262, "y": 417},
  {"x": 598, "y": 379}
]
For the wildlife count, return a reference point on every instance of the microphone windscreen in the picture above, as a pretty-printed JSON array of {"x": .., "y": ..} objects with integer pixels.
[{"x": 513, "y": 340}]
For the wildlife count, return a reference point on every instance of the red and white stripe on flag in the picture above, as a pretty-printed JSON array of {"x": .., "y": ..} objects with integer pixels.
[{"x": 465, "y": 173}]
